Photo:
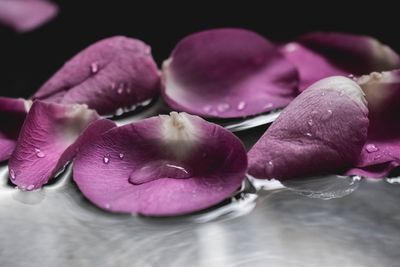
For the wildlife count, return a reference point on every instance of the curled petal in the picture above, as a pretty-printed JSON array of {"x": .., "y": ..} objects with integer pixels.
[
  {"x": 319, "y": 55},
  {"x": 12, "y": 115},
  {"x": 321, "y": 131},
  {"x": 114, "y": 73},
  {"x": 165, "y": 165},
  {"x": 227, "y": 73},
  {"x": 26, "y": 15},
  {"x": 48, "y": 140},
  {"x": 381, "y": 152}
]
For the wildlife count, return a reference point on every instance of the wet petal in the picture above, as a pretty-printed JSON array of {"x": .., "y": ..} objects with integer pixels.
[
  {"x": 227, "y": 73},
  {"x": 319, "y": 55},
  {"x": 12, "y": 115},
  {"x": 321, "y": 131},
  {"x": 381, "y": 152},
  {"x": 165, "y": 165},
  {"x": 43, "y": 146},
  {"x": 114, "y": 73},
  {"x": 26, "y": 15}
]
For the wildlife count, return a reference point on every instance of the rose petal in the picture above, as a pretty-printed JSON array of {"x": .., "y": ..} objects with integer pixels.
[
  {"x": 12, "y": 115},
  {"x": 43, "y": 146},
  {"x": 321, "y": 131},
  {"x": 114, "y": 73},
  {"x": 26, "y": 15},
  {"x": 227, "y": 73},
  {"x": 319, "y": 55},
  {"x": 165, "y": 165},
  {"x": 381, "y": 152}
]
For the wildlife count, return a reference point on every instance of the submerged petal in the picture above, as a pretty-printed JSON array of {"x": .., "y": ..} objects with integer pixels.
[
  {"x": 227, "y": 73},
  {"x": 46, "y": 142},
  {"x": 26, "y": 15},
  {"x": 321, "y": 131},
  {"x": 165, "y": 165},
  {"x": 320, "y": 54},
  {"x": 114, "y": 73},
  {"x": 381, "y": 152},
  {"x": 12, "y": 115}
]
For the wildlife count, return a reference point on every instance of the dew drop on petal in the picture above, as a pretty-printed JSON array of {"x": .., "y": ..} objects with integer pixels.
[
  {"x": 120, "y": 90},
  {"x": 108, "y": 206},
  {"x": 12, "y": 174},
  {"x": 106, "y": 159},
  {"x": 241, "y": 105},
  {"x": 207, "y": 108},
  {"x": 371, "y": 148},
  {"x": 39, "y": 153},
  {"x": 310, "y": 122},
  {"x": 30, "y": 187},
  {"x": 223, "y": 107},
  {"x": 121, "y": 155},
  {"x": 309, "y": 134},
  {"x": 94, "y": 68}
]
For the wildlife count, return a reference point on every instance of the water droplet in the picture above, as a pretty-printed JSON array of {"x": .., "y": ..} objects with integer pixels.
[
  {"x": 241, "y": 105},
  {"x": 39, "y": 153},
  {"x": 106, "y": 159},
  {"x": 121, "y": 155},
  {"x": 207, "y": 108},
  {"x": 94, "y": 68},
  {"x": 119, "y": 112},
  {"x": 223, "y": 107},
  {"x": 393, "y": 180},
  {"x": 113, "y": 86},
  {"x": 120, "y": 90},
  {"x": 30, "y": 187},
  {"x": 291, "y": 47},
  {"x": 310, "y": 122},
  {"x": 371, "y": 148},
  {"x": 157, "y": 170},
  {"x": 12, "y": 174},
  {"x": 269, "y": 168},
  {"x": 108, "y": 206},
  {"x": 309, "y": 134},
  {"x": 268, "y": 105},
  {"x": 145, "y": 103}
]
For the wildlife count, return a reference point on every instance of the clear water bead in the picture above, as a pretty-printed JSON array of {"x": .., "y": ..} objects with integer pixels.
[{"x": 371, "y": 148}]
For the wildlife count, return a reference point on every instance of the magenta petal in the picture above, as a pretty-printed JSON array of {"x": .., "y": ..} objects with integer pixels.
[
  {"x": 26, "y": 15},
  {"x": 49, "y": 129},
  {"x": 228, "y": 73},
  {"x": 319, "y": 55},
  {"x": 381, "y": 152},
  {"x": 12, "y": 115},
  {"x": 114, "y": 73},
  {"x": 321, "y": 131},
  {"x": 165, "y": 165}
]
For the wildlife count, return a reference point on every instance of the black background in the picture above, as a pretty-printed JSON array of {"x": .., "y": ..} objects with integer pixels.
[{"x": 27, "y": 60}]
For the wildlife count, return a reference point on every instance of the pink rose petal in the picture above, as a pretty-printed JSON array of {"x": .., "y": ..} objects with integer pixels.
[
  {"x": 114, "y": 73},
  {"x": 227, "y": 73},
  {"x": 322, "y": 131},
  {"x": 48, "y": 140},
  {"x": 26, "y": 15},
  {"x": 381, "y": 152},
  {"x": 165, "y": 165},
  {"x": 319, "y": 55}
]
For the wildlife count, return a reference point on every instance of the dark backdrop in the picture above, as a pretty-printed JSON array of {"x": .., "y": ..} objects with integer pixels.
[{"x": 27, "y": 60}]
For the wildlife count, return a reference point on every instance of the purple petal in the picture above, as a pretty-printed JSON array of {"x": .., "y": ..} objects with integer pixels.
[
  {"x": 114, "y": 73},
  {"x": 12, "y": 115},
  {"x": 321, "y": 131},
  {"x": 227, "y": 73},
  {"x": 381, "y": 152},
  {"x": 165, "y": 165},
  {"x": 43, "y": 146},
  {"x": 319, "y": 55},
  {"x": 26, "y": 15}
]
